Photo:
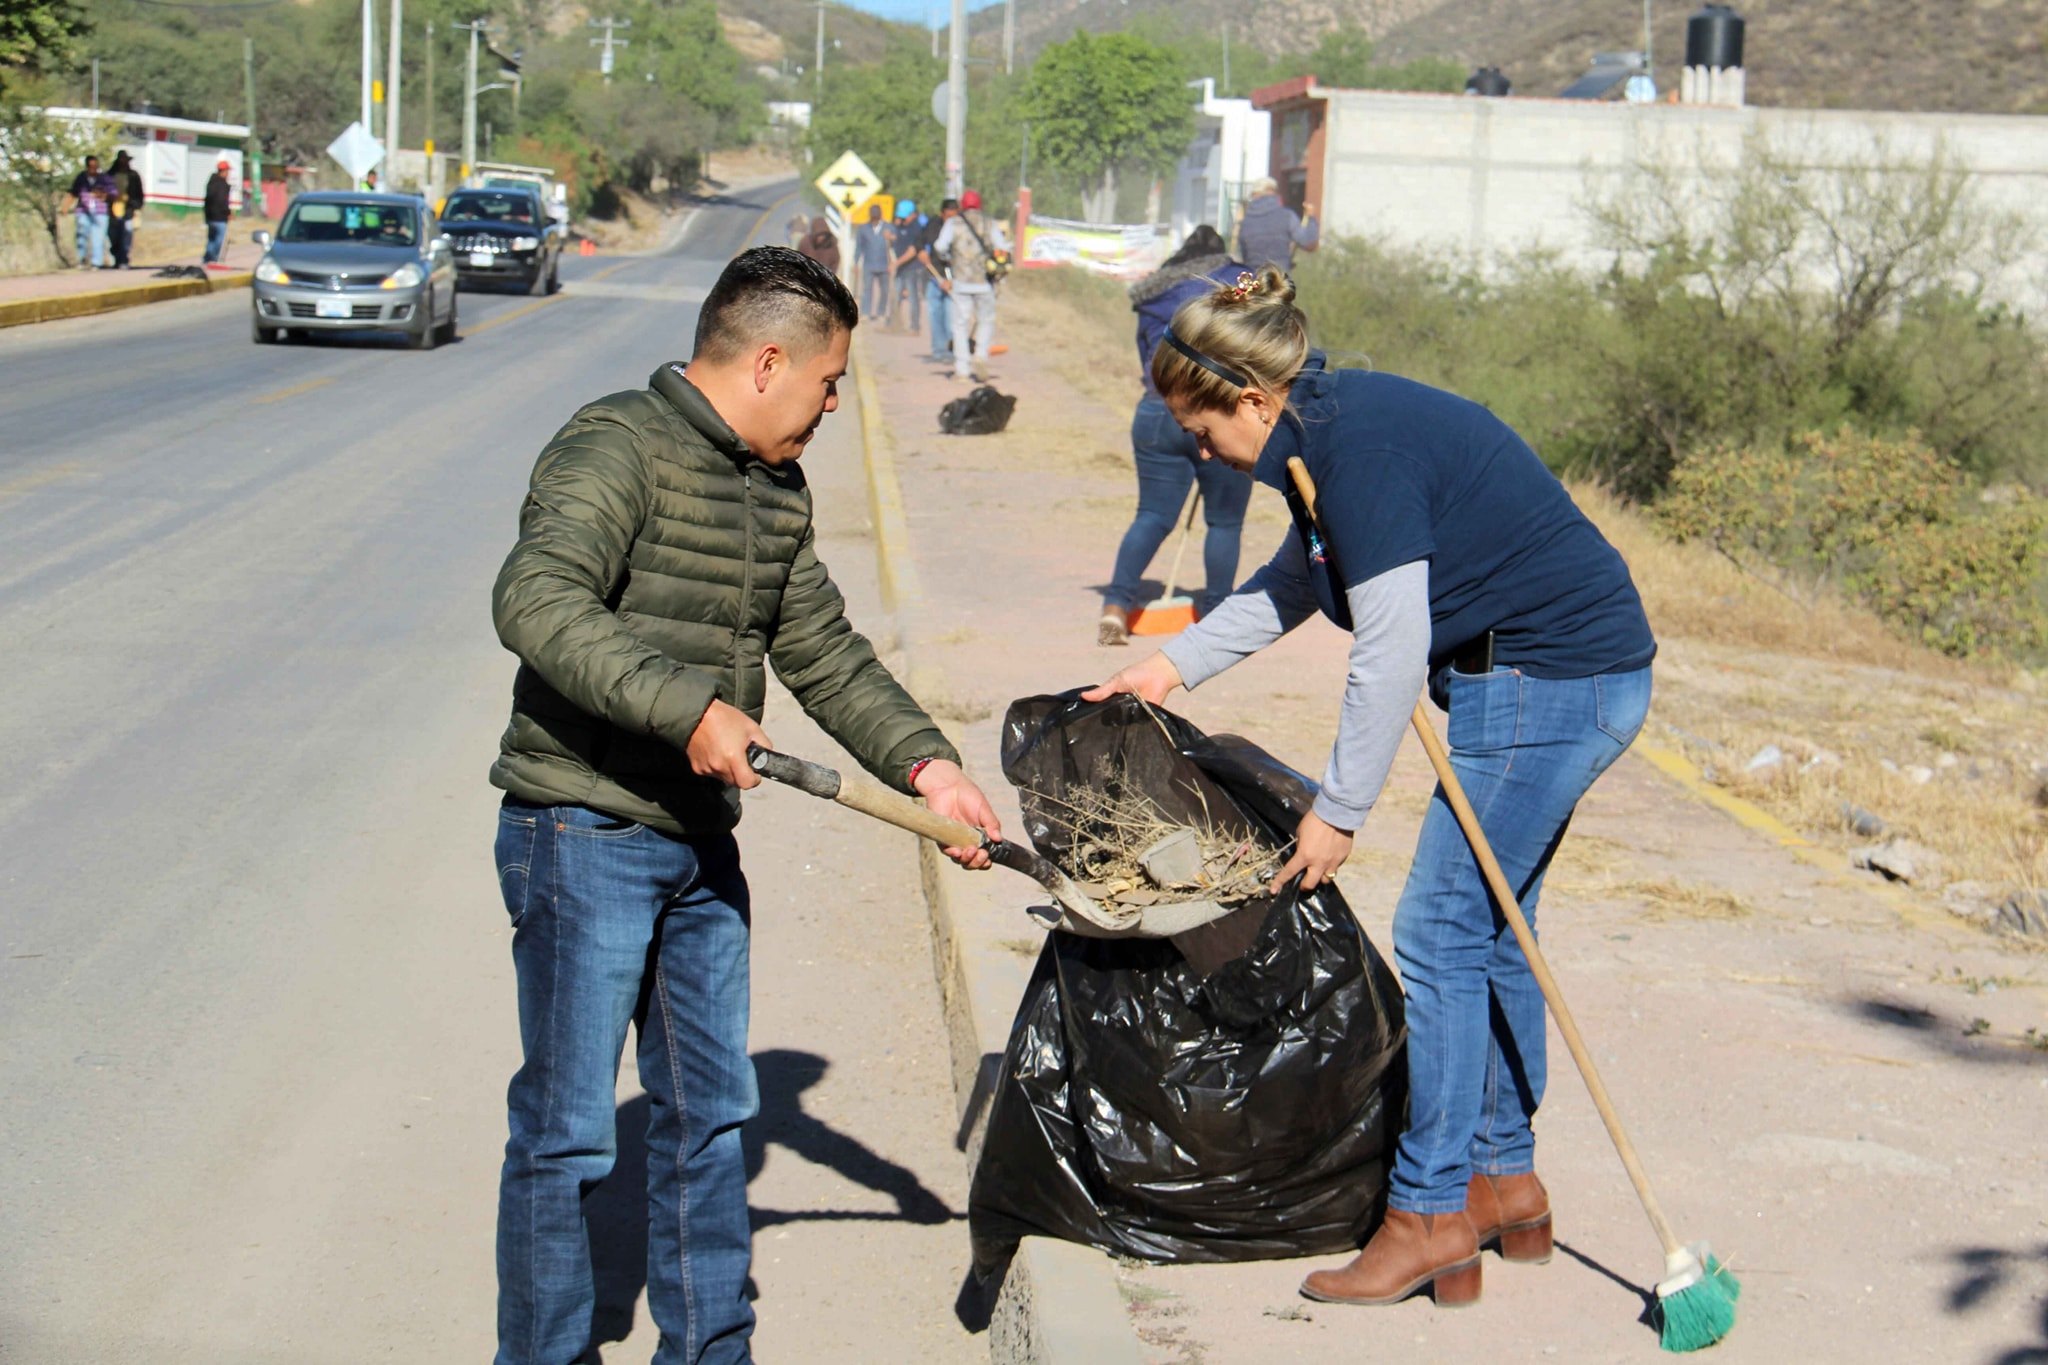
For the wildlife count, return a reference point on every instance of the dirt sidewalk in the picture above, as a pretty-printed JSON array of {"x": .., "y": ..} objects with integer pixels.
[{"x": 1839, "y": 1094}]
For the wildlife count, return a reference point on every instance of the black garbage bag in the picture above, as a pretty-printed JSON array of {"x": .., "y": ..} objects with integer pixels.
[
  {"x": 1156, "y": 1112},
  {"x": 981, "y": 413}
]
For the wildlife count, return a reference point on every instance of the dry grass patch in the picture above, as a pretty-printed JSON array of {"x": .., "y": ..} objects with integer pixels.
[{"x": 1670, "y": 898}]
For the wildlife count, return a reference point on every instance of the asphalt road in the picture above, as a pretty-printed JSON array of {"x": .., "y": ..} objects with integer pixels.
[{"x": 255, "y": 996}]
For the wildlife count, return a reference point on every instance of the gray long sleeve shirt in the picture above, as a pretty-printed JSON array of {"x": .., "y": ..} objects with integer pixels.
[{"x": 1389, "y": 663}]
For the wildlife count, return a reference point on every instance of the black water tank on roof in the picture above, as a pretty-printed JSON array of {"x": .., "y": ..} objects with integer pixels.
[
  {"x": 1488, "y": 81},
  {"x": 1713, "y": 38}
]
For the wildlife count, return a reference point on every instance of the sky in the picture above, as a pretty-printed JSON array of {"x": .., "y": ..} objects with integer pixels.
[{"x": 914, "y": 11}]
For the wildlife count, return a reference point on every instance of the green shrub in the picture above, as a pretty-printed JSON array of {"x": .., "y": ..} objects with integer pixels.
[{"x": 1889, "y": 523}]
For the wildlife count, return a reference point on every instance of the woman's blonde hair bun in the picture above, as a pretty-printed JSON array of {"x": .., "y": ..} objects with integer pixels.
[{"x": 1248, "y": 329}]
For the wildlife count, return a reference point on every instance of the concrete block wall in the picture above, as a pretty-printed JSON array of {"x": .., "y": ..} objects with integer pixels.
[{"x": 1483, "y": 177}]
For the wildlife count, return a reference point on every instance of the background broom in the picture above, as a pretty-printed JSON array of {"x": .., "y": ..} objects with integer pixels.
[
  {"x": 1171, "y": 613},
  {"x": 1697, "y": 1295}
]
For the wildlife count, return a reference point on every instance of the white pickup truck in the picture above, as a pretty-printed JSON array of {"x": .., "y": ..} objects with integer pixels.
[{"x": 553, "y": 192}]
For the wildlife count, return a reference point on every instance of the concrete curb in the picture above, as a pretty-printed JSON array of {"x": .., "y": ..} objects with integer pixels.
[
  {"x": 20, "y": 311},
  {"x": 1059, "y": 1303}
]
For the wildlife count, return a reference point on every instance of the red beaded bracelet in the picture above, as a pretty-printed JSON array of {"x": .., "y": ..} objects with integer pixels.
[{"x": 915, "y": 769}]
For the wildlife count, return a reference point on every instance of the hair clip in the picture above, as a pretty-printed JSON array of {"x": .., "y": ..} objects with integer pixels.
[{"x": 1247, "y": 285}]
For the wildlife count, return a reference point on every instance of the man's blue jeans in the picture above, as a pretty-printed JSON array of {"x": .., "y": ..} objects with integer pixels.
[
  {"x": 216, "y": 241},
  {"x": 910, "y": 291},
  {"x": 617, "y": 924},
  {"x": 91, "y": 238},
  {"x": 939, "y": 304},
  {"x": 874, "y": 295},
  {"x": 1168, "y": 462},
  {"x": 1525, "y": 749}
]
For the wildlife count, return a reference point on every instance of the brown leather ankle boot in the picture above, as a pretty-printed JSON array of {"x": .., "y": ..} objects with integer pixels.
[
  {"x": 1513, "y": 1211},
  {"x": 1409, "y": 1251}
]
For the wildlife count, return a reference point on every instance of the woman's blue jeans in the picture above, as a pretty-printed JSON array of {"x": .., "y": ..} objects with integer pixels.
[
  {"x": 1525, "y": 749},
  {"x": 617, "y": 924},
  {"x": 1168, "y": 463}
]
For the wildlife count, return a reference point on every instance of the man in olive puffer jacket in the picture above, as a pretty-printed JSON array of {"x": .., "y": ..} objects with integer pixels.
[{"x": 665, "y": 554}]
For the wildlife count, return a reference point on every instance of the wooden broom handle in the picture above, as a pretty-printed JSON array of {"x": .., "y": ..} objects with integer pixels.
[
  {"x": 1186, "y": 530},
  {"x": 1539, "y": 967},
  {"x": 1511, "y": 910}
]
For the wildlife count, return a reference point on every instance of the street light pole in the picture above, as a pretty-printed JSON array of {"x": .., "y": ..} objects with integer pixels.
[
  {"x": 1009, "y": 37},
  {"x": 391, "y": 83},
  {"x": 818, "y": 67},
  {"x": 956, "y": 102},
  {"x": 369, "y": 56},
  {"x": 474, "y": 28}
]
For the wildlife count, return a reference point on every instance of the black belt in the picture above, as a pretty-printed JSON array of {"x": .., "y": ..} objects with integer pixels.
[{"x": 1474, "y": 656}]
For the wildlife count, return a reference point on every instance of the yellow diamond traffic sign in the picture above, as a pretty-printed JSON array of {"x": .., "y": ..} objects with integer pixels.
[{"x": 847, "y": 183}]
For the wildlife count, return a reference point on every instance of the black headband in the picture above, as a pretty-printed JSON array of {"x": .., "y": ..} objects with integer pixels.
[{"x": 1227, "y": 376}]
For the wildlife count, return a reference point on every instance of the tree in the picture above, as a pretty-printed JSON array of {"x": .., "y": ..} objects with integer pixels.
[
  {"x": 43, "y": 154},
  {"x": 1101, "y": 104},
  {"x": 884, "y": 113},
  {"x": 38, "y": 35}
]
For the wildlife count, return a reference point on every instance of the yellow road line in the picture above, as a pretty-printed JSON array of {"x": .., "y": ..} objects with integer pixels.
[
  {"x": 514, "y": 315},
  {"x": 293, "y": 392},
  {"x": 538, "y": 304}
]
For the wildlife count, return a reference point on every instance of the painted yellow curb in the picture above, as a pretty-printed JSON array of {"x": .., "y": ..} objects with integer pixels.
[
  {"x": 885, "y": 493},
  {"x": 1681, "y": 770},
  {"x": 18, "y": 311}
]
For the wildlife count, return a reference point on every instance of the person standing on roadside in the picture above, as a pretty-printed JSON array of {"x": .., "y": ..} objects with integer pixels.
[
  {"x": 665, "y": 557},
  {"x": 795, "y": 230},
  {"x": 968, "y": 244},
  {"x": 911, "y": 276},
  {"x": 218, "y": 210},
  {"x": 821, "y": 244},
  {"x": 1168, "y": 460},
  {"x": 1455, "y": 560},
  {"x": 938, "y": 302},
  {"x": 1269, "y": 232},
  {"x": 871, "y": 253},
  {"x": 127, "y": 203},
  {"x": 92, "y": 192}
]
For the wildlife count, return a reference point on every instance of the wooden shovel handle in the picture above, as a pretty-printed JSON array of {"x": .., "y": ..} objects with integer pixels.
[{"x": 866, "y": 797}]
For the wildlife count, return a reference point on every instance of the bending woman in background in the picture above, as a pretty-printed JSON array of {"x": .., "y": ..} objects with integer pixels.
[
  {"x": 1450, "y": 554},
  {"x": 1168, "y": 463}
]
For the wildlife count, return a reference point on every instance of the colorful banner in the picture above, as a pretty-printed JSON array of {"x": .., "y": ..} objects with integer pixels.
[{"x": 1121, "y": 249}]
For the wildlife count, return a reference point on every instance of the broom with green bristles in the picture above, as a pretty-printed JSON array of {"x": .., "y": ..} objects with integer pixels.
[{"x": 1697, "y": 1295}]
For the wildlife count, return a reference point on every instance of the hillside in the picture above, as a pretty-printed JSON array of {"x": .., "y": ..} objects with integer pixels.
[{"x": 1956, "y": 55}]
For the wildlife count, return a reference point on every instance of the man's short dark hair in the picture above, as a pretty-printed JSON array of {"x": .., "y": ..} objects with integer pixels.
[
  {"x": 945, "y": 204},
  {"x": 772, "y": 294}
]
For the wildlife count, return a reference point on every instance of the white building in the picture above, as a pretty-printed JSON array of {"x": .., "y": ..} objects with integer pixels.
[
  {"x": 174, "y": 156},
  {"x": 1229, "y": 151}
]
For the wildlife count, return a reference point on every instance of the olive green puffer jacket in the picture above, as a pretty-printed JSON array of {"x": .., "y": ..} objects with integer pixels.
[{"x": 658, "y": 564}]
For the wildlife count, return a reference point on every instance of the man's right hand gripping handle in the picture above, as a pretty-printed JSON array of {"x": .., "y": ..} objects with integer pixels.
[{"x": 718, "y": 746}]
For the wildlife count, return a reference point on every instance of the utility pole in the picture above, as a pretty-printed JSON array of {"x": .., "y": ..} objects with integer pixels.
[
  {"x": 391, "y": 83},
  {"x": 474, "y": 28},
  {"x": 608, "y": 42},
  {"x": 956, "y": 102},
  {"x": 934, "y": 28},
  {"x": 369, "y": 58},
  {"x": 96, "y": 75},
  {"x": 1226, "y": 58},
  {"x": 818, "y": 68},
  {"x": 1009, "y": 37},
  {"x": 428, "y": 142},
  {"x": 252, "y": 154}
]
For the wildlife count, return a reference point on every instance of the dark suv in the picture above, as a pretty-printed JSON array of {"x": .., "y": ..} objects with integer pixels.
[{"x": 502, "y": 233}]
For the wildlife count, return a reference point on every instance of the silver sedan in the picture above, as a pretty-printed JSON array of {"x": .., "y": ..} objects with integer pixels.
[{"x": 344, "y": 261}]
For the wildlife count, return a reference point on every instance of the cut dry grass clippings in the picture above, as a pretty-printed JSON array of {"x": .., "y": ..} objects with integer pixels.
[
  {"x": 1110, "y": 833},
  {"x": 1668, "y": 898}
]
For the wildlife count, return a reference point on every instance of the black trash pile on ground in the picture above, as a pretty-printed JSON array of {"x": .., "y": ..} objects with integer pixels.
[
  {"x": 981, "y": 413},
  {"x": 1232, "y": 1095}
]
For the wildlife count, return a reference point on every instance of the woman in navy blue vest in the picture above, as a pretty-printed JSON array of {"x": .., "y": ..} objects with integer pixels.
[
  {"x": 1168, "y": 463},
  {"x": 1454, "y": 559}
]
